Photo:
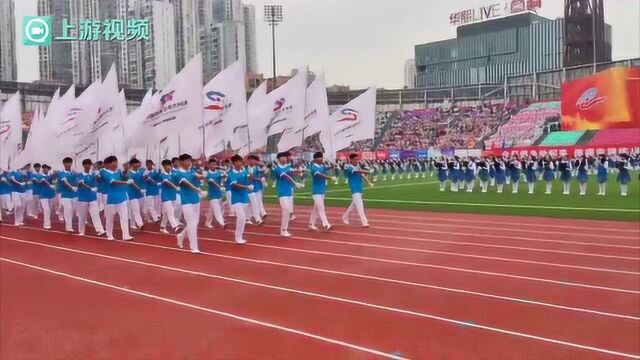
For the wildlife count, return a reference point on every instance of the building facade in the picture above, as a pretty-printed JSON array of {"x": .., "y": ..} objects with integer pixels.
[
  {"x": 410, "y": 74},
  {"x": 186, "y": 31},
  {"x": 486, "y": 52},
  {"x": 250, "y": 38},
  {"x": 8, "y": 63}
]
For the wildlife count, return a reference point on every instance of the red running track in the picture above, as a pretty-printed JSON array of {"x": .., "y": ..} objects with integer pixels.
[{"x": 69, "y": 297}]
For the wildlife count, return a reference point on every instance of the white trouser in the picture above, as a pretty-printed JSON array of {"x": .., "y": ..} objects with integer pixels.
[
  {"x": 254, "y": 202},
  {"x": 29, "y": 204},
  {"x": 263, "y": 211},
  {"x": 583, "y": 188},
  {"x": 318, "y": 211},
  {"x": 470, "y": 185},
  {"x": 134, "y": 212},
  {"x": 5, "y": 202},
  {"x": 499, "y": 188},
  {"x": 484, "y": 185},
  {"x": 602, "y": 188},
  {"x": 547, "y": 188},
  {"x": 566, "y": 187},
  {"x": 178, "y": 207},
  {"x": 18, "y": 200},
  {"x": 286, "y": 204},
  {"x": 67, "y": 212},
  {"x": 123, "y": 214},
  {"x": 357, "y": 205},
  {"x": 240, "y": 210},
  {"x": 93, "y": 210},
  {"x": 46, "y": 211},
  {"x": 169, "y": 214},
  {"x": 531, "y": 186},
  {"x": 150, "y": 206},
  {"x": 191, "y": 213},
  {"x": 514, "y": 187},
  {"x": 102, "y": 199},
  {"x": 443, "y": 185},
  {"x": 215, "y": 211}
]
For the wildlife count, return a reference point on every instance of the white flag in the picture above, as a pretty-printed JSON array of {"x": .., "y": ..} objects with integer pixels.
[
  {"x": 179, "y": 105},
  {"x": 31, "y": 145},
  {"x": 47, "y": 152},
  {"x": 225, "y": 108},
  {"x": 258, "y": 113},
  {"x": 135, "y": 138},
  {"x": 10, "y": 132},
  {"x": 107, "y": 110},
  {"x": 317, "y": 108},
  {"x": 352, "y": 122},
  {"x": 288, "y": 102}
]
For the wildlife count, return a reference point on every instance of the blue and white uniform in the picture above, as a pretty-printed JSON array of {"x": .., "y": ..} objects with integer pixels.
[
  {"x": 284, "y": 190},
  {"x": 215, "y": 194},
  {"x": 255, "y": 196},
  {"x": 46, "y": 194},
  {"x": 5, "y": 193},
  {"x": 318, "y": 190},
  {"x": 238, "y": 179},
  {"x": 88, "y": 202},
  {"x": 190, "y": 203},
  {"x": 152, "y": 195},
  {"x": 624, "y": 176},
  {"x": 168, "y": 198},
  {"x": 136, "y": 197},
  {"x": 548, "y": 175},
  {"x": 602, "y": 169},
  {"x": 117, "y": 198},
  {"x": 67, "y": 188},
  {"x": 354, "y": 176}
]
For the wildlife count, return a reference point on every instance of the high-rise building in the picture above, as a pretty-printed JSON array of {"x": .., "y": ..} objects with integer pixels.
[
  {"x": 70, "y": 61},
  {"x": 250, "y": 38},
  {"x": 159, "y": 54},
  {"x": 186, "y": 31},
  {"x": 410, "y": 74},
  {"x": 8, "y": 64}
]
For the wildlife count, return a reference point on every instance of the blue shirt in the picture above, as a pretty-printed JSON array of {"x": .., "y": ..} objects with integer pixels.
[
  {"x": 152, "y": 179},
  {"x": 240, "y": 177},
  {"x": 20, "y": 177},
  {"x": 5, "y": 188},
  {"x": 63, "y": 189},
  {"x": 138, "y": 178},
  {"x": 116, "y": 193},
  {"x": 29, "y": 185},
  {"x": 37, "y": 187},
  {"x": 258, "y": 174},
  {"x": 84, "y": 194},
  {"x": 284, "y": 187},
  {"x": 103, "y": 186},
  {"x": 187, "y": 195},
  {"x": 214, "y": 191},
  {"x": 355, "y": 179},
  {"x": 318, "y": 183},
  {"x": 168, "y": 192},
  {"x": 46, "y": 192}
]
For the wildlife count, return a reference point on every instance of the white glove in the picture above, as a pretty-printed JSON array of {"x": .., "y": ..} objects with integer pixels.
[
  {"x": 74, "y": 188},
  {"x": 94, "y": 189},
  {"x": 222, "y": 189},
  {"x": 370, "y": 171},
  {"x": 298, "y": 185},
  {"x": 371, "y": 185},
  {"x": 52, "y": 187},
  {"x": 143, "y": 192},
  {"x": 250, "y": 188},
  {"x": 130, "y": 181},
  {"x": 264, "y": 182},
  {"x": 335, "y": 179}
]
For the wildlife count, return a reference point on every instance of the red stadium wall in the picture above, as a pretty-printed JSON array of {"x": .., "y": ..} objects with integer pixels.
[
  {"x": 572, "y": 151},
  {"x": 606, "y": 100}
]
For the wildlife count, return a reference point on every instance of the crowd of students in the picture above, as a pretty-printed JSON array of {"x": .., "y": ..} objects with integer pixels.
[{"x": 170, "y": 195}]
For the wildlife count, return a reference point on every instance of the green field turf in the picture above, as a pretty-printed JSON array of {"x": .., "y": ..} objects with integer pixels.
[{"x": 424, "y": 194}]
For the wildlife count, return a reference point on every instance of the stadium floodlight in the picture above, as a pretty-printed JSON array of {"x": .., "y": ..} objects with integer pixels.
[{"x": 273, "y": 16}]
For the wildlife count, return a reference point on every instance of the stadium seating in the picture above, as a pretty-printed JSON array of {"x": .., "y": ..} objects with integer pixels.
[
  {"x": 616, "y": 137},
  {"x": 562, "y": 138},
  {"x": 526, "y": 126}
]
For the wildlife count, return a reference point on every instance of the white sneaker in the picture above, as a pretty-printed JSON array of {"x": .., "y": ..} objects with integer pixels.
[
  {"x": 180, "y": 237},
  {"x": 241, "y": 242},
  {"x": 208, "y": 226},
  {"x": 128, "y": 239},
  {"x": 292, "y": 218},
  {"x": 196, "y": 251},
  {"x": 365, "y": 225},
  {"x": 164, "y": 231},
  {"x": 328, "y": 227},
  {"x": 285, "y": 233},
  {"x": 345, "y": 220},
  {"x": 312, "y": 227}
]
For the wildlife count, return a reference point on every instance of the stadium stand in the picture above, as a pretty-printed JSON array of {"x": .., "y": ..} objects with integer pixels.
[
  {"x": 525, "y": 126},
  {"x": 616, "y": 136}
]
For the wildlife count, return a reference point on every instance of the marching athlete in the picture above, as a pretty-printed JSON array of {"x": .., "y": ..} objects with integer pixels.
[
  {"x": 319, "y": 179},
  {"x": 67, "y": 187},
  {"x": 117, "y": 197},
  {"x": 285, "y": 184},
  {"x": 215, "y": 191},
  {"x": 189, "y": 181},
  {"x": 151, "y": 178},
  {"x": 136, "y": 194},
  {"x": 46, "y": 195},
  {"x": 241, "y": 185},
  {"x": 88, "y": 200},
  {"x": 168, "y": 198},
  {"x": 602, "y": 173},
  {"x": 355, "y": 176}
]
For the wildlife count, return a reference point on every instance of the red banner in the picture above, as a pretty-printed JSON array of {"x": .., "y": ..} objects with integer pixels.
[
  {"x": 606, "y": 100},
  {"x": 571, "y": 151}
]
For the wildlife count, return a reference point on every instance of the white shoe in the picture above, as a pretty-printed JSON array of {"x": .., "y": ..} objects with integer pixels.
[
  {"x": 208, "y": 226},
  {"x": 293, "y": 217},
  {"x": 312, "y": 227},
  {"x": 285, "y": 233},
  {"x": 47, "y": 227},
  {"x": 128, "y": 239},
  {"x": 345, "y": 220},
  {"x": 164, "y": 231},
  {"x": 328, "y": 227},
  {"x": 111, "y": 239},
  {"x": 365, "y": 225},
  {"x": 196, "y": 251},
  {"x": 180, "y": 237},
  {"x": 241, "y": 242}
]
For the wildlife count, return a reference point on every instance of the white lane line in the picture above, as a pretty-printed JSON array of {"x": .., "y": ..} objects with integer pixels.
[
  {"x": 209, "y": 310},
  {"x": 353, "y": 302},
  {"x": 340, "y": 273},
  {"x": 411, "y": 227},
  {"x": 397, "y": 248},
  {"x": 460, "y": 218},
  {"x": 461, "y": 243},
  {"x": 407, "y": 263}
]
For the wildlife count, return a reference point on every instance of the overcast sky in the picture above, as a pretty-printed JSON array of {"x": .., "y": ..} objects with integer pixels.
[{"x": 366, "y": 42}]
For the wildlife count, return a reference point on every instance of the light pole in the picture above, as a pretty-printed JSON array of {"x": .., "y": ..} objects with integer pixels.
[{"x": 273, "y": 16}]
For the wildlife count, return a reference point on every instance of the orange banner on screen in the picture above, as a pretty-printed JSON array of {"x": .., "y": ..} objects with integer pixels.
[{"x": 606, "y": 100}]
